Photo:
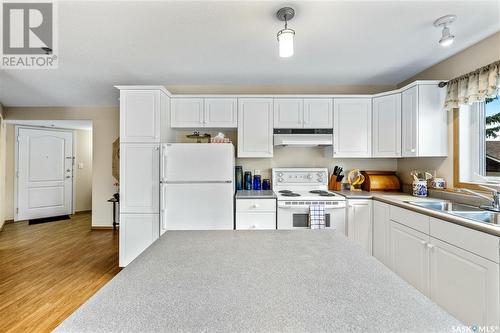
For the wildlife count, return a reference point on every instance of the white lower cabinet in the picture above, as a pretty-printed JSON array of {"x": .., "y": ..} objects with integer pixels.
[
  {"x": 381, "y": 229},
  {"x": 464, "y": 284},
  {"x": 359, "y": 222},
  {"x": 456, "y": 267},
  {"x": 137, "y": 232},
  {"x": 408, "y": 255},
  {"x": 255, "y": 214}
]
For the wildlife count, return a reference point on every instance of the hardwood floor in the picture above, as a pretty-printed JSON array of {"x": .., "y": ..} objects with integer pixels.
[{"x": 48, "y": 270}]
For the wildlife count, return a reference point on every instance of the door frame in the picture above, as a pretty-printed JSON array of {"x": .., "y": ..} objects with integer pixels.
[{"x": 16, "y": 161}]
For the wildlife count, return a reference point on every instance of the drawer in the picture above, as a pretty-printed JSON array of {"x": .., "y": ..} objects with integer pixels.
[
  {"x": 256, "y": 205},
  {"x": 255, "y": 221},
  {"x": 477, "y": 242},
  {"x": 410, "y": 219}
]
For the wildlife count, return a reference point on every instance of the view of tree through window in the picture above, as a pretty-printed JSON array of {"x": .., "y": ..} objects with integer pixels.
[{"x": 492, "y": 136}]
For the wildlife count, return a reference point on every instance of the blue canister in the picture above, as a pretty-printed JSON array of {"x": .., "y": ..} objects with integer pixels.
[
  {"x": 238, "y": 177},
  {"x": 420, "y": 188},
  {"x": 256, "y": 183},
  {"x": 266, "y": 184},
  {"x": 248, "y": 180}
]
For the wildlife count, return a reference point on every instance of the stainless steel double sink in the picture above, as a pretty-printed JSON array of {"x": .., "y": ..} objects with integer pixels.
[{"x": 469, "y": 212}]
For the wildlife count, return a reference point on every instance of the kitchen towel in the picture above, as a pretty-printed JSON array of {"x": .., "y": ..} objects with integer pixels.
[{"x": 317, "y": 217}]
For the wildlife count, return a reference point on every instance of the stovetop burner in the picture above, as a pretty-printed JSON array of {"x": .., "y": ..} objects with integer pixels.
[
  {"x": 289, "y": 194},
  {"x": 285, "y": 191},
  {"x": 326, "y": 194},
  {"x": 318, "y": 191}
]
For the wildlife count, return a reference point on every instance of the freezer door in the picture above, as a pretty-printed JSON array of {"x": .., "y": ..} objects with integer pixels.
[
  {"x": 199, "y": 206},
  {"x": 199, "y": 162}
]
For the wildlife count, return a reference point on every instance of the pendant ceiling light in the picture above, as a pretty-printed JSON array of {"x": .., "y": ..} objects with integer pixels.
[
  {"x": 446, "y": 37},
  {"x": 285, "y": 36}
]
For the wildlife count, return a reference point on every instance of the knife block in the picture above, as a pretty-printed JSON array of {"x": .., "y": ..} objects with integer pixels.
[{"x": 333, "y": 184}]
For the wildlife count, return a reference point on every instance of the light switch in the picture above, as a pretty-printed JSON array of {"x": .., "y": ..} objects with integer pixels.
[{"x": 80, "y": 165}]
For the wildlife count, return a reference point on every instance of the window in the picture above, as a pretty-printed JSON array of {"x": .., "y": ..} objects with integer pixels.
[{"x": 479, "y": 142}]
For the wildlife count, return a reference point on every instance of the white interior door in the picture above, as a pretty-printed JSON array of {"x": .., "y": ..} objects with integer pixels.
[{"x": 44, "y": 173}]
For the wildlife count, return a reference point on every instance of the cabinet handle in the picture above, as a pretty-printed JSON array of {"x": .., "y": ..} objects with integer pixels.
[
  {"x": 157, "y": 148},
  {"x": 430, "y": 246},
  {"x": 413, "y": 150},
  {"x": 255, "y": 206}
]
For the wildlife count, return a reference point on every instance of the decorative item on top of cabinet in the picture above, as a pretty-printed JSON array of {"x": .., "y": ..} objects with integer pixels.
[
  {"x": 380, "y": 181},
  {"x": 255, "y": 127},
  {"x": 387, "y": 126},
  {"x": 352, "y": 127},
  {"x": 424, "y": 121}
]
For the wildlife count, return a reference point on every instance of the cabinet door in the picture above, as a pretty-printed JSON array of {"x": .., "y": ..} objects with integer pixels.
[
  {"x": 137, "y": 233},
  {"x": 288, "y": 113},
  {"x": 464, "y": 284},
  {"x": 187, "y": 112},
  {"x": 409, "y": 256},
  {"x": 139, "y": 178},
  {"x": 387, "y": 126},
  {"x": 352, "y": 124},
  {"x": 381, "y": 232},
  {"x": 359, "y": 223},
  {"x": 432, "y": 121},
  {"x": 139, "y": 116},
  {"x": 318, "y": 113},
  {"x": 221, "y": 112},
  {"x": 409, "y": 116},
  {"x": 255, "y": 127}
]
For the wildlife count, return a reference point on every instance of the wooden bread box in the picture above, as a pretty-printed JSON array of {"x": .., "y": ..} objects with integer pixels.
[{"x": 381, "y": 181}]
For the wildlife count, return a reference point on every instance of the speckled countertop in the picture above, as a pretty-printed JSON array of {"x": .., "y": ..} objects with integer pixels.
[
  {"x": 400, "y": 199},
  {"x": 246, "y": 194},
  {"x": 257, "y": 281}
]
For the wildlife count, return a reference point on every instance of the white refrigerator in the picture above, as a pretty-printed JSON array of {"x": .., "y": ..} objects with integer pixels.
[{"x": 197, "y": 186}]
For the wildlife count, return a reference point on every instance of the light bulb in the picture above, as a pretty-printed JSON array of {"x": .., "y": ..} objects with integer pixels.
[
  {"x": 285, "y": 41},
  {"x": 446, "y": 37}
]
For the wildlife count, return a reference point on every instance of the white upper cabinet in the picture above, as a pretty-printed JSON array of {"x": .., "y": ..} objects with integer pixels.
[
  {"x": 204, "y": 112},
  {"x": 221, "y": 112},
  {"x": 187, "y": 112},
  {"x": 387, "y": 126},
  {"x": 303, "y": 113},
  {"x": 352, "y": 127},
  {"x": 140, "y": 116},
  {"x": 139, "y": 178},
  {"x": 424, "y": 121},
  {"x": 288, "y": 113},
  {"x": 318, "y": 113},
  {"x": 255, "y": 127}
]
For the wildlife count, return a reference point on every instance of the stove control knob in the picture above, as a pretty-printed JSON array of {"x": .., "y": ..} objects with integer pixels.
[
  {"x": 280, "y": 174},
  {"x": 320, "y": 180},
  {"x": 280, "y": 180},
  {"x": 309, "y": 176}
]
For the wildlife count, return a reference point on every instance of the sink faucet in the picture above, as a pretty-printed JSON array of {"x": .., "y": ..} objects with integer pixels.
[{"x": 495, "y": 199}]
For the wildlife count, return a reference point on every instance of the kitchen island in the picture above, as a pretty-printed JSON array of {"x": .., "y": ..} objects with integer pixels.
[{"x": 255, "y": 281}]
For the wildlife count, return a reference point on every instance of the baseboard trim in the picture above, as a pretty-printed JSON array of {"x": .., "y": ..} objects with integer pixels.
[
  {"x": 83, "y": 212},
  {"x": 102, "y": 227},
  {"x": 8, "y": 221}
]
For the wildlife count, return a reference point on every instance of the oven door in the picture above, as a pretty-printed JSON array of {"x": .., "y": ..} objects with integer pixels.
[{"x": 292, "y": 216}]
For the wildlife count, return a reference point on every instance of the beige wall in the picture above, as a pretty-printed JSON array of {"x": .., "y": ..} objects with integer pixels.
[
  {"x": 106, "y": 128},
  {"x": 478, "y": 55},
  {"x": 299, "y": 157},
  {"x": 2, "y": 166},
  {"x": 83, "y": 177}
]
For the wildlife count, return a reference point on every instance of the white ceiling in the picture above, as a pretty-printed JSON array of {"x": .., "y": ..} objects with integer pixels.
[
  {"x": 85, "y": 125},
  {"x": 106, "y": 43}
]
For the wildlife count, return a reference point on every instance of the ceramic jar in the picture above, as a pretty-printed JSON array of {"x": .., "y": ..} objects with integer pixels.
[
  {"x": 420, "y": 188},
  {"x": 438, "y": 183}
]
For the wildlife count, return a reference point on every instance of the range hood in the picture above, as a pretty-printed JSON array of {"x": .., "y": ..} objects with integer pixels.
[{"x": 303, "y": 137}]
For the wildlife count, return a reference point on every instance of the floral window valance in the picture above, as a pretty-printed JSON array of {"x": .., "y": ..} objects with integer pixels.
[{"x": 473, "y": 87}]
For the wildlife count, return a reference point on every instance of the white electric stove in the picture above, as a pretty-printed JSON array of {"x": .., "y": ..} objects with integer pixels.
[{"x": 297, "y": 189}]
